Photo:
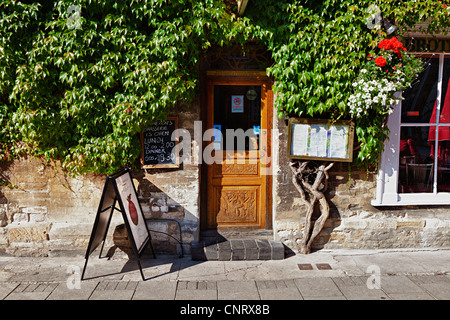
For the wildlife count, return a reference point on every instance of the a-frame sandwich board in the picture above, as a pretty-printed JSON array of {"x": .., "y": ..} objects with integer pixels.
[{"x": 119, "y": 190}]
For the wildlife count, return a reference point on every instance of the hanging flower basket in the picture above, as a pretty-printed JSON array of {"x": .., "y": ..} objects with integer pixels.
[
  {"x": 386, "y": 72},
  {"x": 389, "y": 69}
]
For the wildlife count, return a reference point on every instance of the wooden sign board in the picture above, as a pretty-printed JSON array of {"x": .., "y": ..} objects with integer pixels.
[
  {"x": 120, "y": 194},
  {"x": 159, "y": 150},
  {"x": 427, "y": 44},
  {"x": 320, "y": 139}
]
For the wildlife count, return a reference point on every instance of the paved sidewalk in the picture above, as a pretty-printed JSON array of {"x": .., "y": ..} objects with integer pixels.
[{"x": 329, "y": 275}]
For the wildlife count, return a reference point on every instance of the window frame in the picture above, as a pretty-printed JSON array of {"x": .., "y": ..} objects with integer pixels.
[{"x": 387, "y": 178}]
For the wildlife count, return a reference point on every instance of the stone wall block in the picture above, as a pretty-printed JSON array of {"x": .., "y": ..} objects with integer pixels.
[{"x": 29, "y": 233}]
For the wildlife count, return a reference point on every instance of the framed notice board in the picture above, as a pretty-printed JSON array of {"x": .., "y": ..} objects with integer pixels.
[
  {"x": 320, "y": 139},
  {"x": 159, "y": 145}
]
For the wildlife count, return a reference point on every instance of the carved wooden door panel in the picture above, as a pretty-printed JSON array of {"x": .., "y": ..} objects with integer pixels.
[{"x": 238, "y": 167}]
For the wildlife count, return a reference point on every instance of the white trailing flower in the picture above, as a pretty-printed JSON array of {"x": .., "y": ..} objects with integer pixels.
[{"x": 372, "y": 94}]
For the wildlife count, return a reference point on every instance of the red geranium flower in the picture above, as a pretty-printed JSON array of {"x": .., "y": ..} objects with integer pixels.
[
  {"x": 392, "y": 44},
  {"x": 385, "y": 44},
  {"x": 380, "y": 61}
]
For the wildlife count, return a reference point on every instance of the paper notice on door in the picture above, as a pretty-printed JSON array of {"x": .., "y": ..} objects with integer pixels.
[{"x": 237, "y": 104}]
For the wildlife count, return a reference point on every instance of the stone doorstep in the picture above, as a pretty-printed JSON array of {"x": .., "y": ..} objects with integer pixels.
[{"x": 237, "y": 249}]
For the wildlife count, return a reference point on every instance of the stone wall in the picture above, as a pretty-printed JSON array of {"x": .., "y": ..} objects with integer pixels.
[
  {"x": 353, "y": 223},
  {"x": 44, "y": 211}
]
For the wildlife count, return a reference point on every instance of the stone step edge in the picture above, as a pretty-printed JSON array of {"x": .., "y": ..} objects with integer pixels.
[{"x": 236, "y": 249}]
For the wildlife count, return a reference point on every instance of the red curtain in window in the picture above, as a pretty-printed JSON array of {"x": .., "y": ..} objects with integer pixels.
[{"x": 444, "y": 132}]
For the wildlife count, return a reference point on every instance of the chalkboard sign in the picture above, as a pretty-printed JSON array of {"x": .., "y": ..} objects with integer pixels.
[
  {"x": 119, "y": 189},
  {"x": 158, "y": 148}
]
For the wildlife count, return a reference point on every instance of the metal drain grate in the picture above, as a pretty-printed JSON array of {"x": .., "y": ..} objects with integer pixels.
[
  {"x": 319, "y": 266},
  {"x": 305, "y": 266},
  {"x": 323, "y": 266}
]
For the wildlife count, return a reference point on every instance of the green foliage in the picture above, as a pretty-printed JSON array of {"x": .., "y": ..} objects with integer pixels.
[{"x": 81, "y": 95}]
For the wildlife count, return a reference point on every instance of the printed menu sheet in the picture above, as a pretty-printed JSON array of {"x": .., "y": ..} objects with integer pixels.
[{"x": 338, "y": 141}]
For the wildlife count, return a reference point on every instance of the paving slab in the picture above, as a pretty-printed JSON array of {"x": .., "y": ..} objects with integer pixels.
[
  {"x": 411, "y": 296},
  {"x": 310, "y": 266},
  {"x": 114, "y": 290},
  {"x": 65, "y": 292},
  {"x": 7, "y": 288},
  {"x": 436, "y": 261},
  {"x": 155, "y": 290},
  {"x": 196, "y": 290},
  {"x": 270, "y": 270},
  {"x": 355, "y": 288},
  {"x": 399, "y": 284},
  {"x": 315, "y": 288},
  {"x": 437, "y": 286},
  {"x": 237, "y": 290},
  {"x": 393, "y": 262},
  {"x": 278, "y": 290},
  {"x": 164, "y": 269},
  {"x": 210, "y": 270},
  {"x": 440, "y": 291},
  {"x": 32, "y": 291},
  {"x": 243, "y": 270},
  {"x": 403, "y": 275}
]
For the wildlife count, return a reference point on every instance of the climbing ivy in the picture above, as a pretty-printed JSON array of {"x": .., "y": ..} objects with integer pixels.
[{"x": 79, "y": 79}]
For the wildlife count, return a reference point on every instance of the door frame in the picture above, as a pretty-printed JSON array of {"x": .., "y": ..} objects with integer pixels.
[{"x": 237, "y": 77}]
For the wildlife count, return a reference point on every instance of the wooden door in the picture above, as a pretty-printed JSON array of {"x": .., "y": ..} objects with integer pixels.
[{"x": 238, "y": 189}]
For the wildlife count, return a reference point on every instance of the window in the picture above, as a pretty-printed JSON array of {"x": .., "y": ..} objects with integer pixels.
[
  {"x": 415, "y": 165},
  {"x": 243, "y": 113}
]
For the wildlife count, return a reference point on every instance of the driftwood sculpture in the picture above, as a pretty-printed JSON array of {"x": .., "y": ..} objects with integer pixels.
[{"x": 311, "y": 180}]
